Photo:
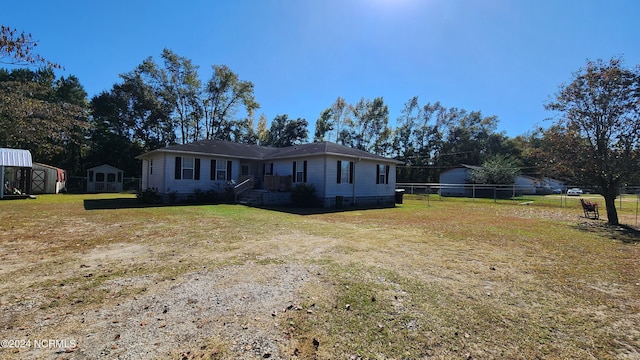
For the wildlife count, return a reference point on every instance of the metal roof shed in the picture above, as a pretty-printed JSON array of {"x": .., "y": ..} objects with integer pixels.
[{"x": 13, "y": 158}]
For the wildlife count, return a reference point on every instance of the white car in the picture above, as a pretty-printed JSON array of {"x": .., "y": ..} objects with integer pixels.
[{"x": 574, "y": 192}]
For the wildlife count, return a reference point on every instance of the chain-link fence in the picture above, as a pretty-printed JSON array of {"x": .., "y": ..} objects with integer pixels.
[{"x": 627, "y": 200}]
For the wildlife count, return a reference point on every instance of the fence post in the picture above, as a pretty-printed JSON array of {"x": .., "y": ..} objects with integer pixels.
[{"x": 620, "y": 198}]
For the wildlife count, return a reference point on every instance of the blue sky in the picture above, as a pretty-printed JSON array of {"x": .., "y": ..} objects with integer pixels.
[{"x": 500, "y": 57}]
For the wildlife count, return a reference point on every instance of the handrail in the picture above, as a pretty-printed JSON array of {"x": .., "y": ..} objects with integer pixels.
[{"x": 243, "y": 186}]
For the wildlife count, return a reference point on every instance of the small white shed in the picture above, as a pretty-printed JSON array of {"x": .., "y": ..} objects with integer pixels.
[
  {"x": 18, "y": 179},
  {"x": 104, "y": 178}
]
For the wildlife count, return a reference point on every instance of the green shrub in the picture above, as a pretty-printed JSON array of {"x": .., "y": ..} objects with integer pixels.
[
  {"x": 304, "y": 195},
  {"x": 149, "y": 196},
  {"x": 213, "y": 196}
]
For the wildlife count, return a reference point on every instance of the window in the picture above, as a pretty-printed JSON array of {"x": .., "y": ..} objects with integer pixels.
[
  {"x": 150, "y": 166},
  {"x": 382, "y": 174},
  {"x": 300, "y": 171},
  {"x": 187, "y": 168},
  {"x": 99, "y": 177},
  {"x": 221, "y": 170},
  {"x": 345, "y": 172},
  {"x": 111, "y": 177},
  {"x": 267, "y": 169}
]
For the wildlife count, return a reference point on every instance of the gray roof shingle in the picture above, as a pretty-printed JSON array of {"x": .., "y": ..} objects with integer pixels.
[{"x": 255, "y": 152}]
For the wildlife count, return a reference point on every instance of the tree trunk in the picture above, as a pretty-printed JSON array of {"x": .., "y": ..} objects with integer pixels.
[{"x": 612, "y": 212}]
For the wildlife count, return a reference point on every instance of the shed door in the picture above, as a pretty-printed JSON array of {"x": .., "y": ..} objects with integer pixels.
[{"x": 38, "y": 180}]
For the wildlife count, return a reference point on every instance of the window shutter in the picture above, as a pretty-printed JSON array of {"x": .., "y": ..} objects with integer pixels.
[
  {"x": 196, "y": 170},
  {"x": 264, "y": 169},
  {"x": 229, "y": 170},
  {"x": 213, "y": 169},
  {"x": 339, "y": 171},
  {"x": 294, "y": 172},
  {"x": 351, "y": 169},
  {"x": 304, "y": 174},
  {"x": 386, "y": 178},
  {"x": 377, "y": 174},
  {"x": 178, "y": 170}
]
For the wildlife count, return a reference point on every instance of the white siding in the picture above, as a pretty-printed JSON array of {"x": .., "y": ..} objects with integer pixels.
[
  {"x": 364, "y": 180},
  {"x": 525, "y": 185},
  {"x": 315, "y": 174},
  {"x": 157, "y": 179},
  {"x": 186, "y": 187},
  {"x": 454, "y": 176}
]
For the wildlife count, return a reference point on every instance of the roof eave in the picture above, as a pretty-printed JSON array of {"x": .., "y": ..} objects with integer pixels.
[{"x": 187, "y": 152}]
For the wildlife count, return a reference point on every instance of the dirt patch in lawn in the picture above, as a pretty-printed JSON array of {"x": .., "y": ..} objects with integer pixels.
[{"x": 229, "y": 312}]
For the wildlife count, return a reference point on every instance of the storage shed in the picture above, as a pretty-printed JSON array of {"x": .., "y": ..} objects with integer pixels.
[
  {"x": 104, "y": 178},
  {"x": 15, "y": 172},
  {"x": 47, "y": 179}
]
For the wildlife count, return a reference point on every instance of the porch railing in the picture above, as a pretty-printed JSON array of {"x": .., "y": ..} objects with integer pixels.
[
  {"x": 277, "y": 183},
  {"x": 245, "y": 185}
]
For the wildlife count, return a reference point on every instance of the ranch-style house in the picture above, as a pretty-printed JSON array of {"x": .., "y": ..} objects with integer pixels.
[{"x": 341, "y": 176}]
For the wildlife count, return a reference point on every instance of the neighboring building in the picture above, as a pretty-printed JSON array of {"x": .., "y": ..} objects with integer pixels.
[
  {"x": 456, "y": 182},
  {"x": 453, "y": 182},
  {"x": 527, "y": 185},
  {"x": 47, "y": 179},
  {"x": 342, "y": 176},
  {"x": 554, "y": 185},
  {"x": 15, "y": 172},
  {"x": 104, "y": 178}
]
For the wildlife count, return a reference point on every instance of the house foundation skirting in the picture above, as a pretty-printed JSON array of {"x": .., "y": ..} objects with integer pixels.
[
  {"x": 284, "y": 198},
  {"x": 276, "y": 198},
  {"x": 361, "y": 201}
]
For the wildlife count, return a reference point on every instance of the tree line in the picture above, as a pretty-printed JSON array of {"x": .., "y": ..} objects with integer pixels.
[
  {"x": 165, "y": 102},
  {"x": 594, "y": 141}
]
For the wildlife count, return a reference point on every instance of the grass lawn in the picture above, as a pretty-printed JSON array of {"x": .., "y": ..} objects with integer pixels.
[{"x": 444, "y": 279}]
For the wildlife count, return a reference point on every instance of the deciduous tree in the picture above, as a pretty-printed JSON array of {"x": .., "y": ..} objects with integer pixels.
[
  {"x": 262, "y": 131},
  {"x": 370, "y": 131},
  {"x": 324, "y": 125},
  {"x": 223, "y": 97},
  {"x": 287, "y": 132},
  {"x": 34, "y": 116},
  {"x": 498, "y": 169},
  {"x": 341, "y": 112},
  {"x": 600, "y": 109},
  {"x": 18, "y": 48}
]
